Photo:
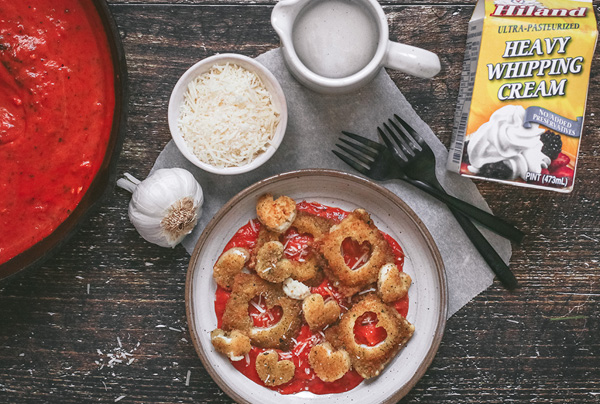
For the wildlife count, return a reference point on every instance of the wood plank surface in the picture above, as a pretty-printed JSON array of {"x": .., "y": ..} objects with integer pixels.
[{"x": 108, "y": 287}]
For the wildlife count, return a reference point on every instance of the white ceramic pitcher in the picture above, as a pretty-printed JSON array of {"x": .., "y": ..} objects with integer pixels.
[{"x": 337, "y": 46}]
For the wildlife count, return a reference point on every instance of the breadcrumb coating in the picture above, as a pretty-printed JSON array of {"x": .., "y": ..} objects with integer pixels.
[
  {"x": 245, "y": 288},
  {"x": 369, "y": 361},
  {"x": 276, "y": 214},
  {"x": 319, "y": 314},
  {"x": 392, "y": 284},
  {"x": 329, "y": 365},
  {"x": 272, "y": 371},
  {"x": 229, "y": 265},
  {"x": 358, "y": 226},
  {"x": 234, "y": 344}
]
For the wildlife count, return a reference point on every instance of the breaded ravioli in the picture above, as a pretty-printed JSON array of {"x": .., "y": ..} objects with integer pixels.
[
  {"x": 328, "y": 364},
  {"x": 229, "y": 265},
  {"x": 392, "y": 284},
  {"x": 245, "y": 288},
  {"x": 276, "y": 215},
  {"x": 369, "y": 361},
  {"x": 234, "y": 344},
  {"x": 357, "y": 226},
  {"x": 268, "y": 263},
  {"x": 301, "y": 295},
  {"x": 319, "y": 314},
  {"x": 272, "y": 371}
]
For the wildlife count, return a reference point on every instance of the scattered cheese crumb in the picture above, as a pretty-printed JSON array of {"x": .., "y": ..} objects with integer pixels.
[{"x": 117, "y": 356}]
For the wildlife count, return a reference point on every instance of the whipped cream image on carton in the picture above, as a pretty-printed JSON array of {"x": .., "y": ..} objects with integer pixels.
[{"x": 523, "y": 91}]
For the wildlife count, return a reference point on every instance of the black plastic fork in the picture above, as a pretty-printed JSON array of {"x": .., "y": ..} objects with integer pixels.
[
  {"x": 417, "y": 161},
  {"x": 376, "y": 161}
]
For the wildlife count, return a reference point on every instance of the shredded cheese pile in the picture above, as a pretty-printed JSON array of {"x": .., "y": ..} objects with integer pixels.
[{"x": 228, "y": 117}]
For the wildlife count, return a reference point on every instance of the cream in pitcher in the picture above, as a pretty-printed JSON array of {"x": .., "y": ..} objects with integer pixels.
[
  {"x": 338, "y": 46},
  {"x": 523, "y": 92}
]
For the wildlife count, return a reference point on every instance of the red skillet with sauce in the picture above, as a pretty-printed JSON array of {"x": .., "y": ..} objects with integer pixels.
[{"x": 62, "y": 91}]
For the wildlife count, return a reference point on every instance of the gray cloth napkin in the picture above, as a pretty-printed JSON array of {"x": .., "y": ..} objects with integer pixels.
[{"x": 314, "y": 125}]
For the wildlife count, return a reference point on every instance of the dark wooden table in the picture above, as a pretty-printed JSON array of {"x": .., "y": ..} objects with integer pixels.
[{"x": 108, "y": 287}]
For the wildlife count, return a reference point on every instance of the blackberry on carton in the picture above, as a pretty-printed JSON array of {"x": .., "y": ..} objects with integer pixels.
[{"x": 552, "y": 144}]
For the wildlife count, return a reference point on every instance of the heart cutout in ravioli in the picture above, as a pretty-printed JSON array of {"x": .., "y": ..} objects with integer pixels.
[
  {"x": 262, "y": 316},
  {"x": 329, "y": 365},
  {"x": 366, "y": 331},
  {"x": 272, "y": 371},
  {"x": 317, "y": 313},
  {"x": 355, "y": 254}
]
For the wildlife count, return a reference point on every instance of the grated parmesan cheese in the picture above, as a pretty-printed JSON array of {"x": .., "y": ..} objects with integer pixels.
[{"x": 228, "y": 118}]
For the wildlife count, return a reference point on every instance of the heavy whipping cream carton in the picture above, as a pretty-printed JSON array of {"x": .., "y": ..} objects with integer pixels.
[{"x": 523, "y": 92}]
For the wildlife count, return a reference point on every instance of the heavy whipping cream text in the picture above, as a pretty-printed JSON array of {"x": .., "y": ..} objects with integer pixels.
[
  {"x": 541, "y": 68},
  {"x": 522, "y": 97}
]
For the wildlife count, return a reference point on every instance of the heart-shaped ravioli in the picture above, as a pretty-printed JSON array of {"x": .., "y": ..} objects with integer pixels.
[
  {"x": 229, "y": 265},
  {"x": 317, "y": 313},
  {"x": 329, "y": 365},
  {"x": 276, "y": 215},
  {"x": 234, "y": 344},
  {"x": 272, "y": 371},
  {"x": 392, "y": 284}
]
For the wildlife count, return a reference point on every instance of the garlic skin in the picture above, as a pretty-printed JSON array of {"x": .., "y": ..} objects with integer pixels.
[{"x": 165, "y": 207}]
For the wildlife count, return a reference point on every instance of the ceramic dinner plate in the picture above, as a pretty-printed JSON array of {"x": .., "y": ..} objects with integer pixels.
[{"x": 427, "y": 295}]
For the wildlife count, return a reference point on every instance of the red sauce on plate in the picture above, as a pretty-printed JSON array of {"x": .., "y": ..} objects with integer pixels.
[
  {"x": 365, "y": 330},
  {"x": 56, "y": 110}
]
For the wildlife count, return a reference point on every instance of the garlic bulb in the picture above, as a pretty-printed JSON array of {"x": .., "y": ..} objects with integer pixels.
[{"x": 165, "y": 207}]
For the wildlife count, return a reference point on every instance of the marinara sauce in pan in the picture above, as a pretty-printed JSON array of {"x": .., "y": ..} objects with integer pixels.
[{"x": 56, "y": 111}]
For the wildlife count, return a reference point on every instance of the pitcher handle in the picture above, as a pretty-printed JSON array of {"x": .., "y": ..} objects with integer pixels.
[{"x": 411, "y": 60}]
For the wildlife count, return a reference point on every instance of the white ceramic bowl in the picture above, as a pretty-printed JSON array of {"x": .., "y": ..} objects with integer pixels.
[
  {"x": 203, "y": 66},
  {"x": 428, "y": 296}
]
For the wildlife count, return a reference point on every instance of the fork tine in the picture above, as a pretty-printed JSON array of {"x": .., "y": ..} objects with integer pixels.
[
  {"x": 364, "y": 140},
  {"x": 390, "y": 146},
  {"x": 400, "y": 141},
  {"x": 410, "y": 130},
  {"x": 357, "y": 156},
  {"x": 351, "y": 163},
  {"x": 406, "y": 139},
  {"x": 365, "y": 150}
]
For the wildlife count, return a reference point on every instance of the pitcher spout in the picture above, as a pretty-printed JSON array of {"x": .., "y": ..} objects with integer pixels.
[{"x": 283, "y": 16}]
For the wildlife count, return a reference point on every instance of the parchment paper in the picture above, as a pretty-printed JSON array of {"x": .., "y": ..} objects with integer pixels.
[{"x": 314, "y": 125}]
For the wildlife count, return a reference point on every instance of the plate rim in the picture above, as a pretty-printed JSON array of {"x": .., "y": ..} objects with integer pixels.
[{"x": 436, "y": 256}]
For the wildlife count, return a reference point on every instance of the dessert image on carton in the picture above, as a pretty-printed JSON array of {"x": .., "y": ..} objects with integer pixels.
[
  {"x": 523, "y": 92},
  {"x": 503, "y": 148}
]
